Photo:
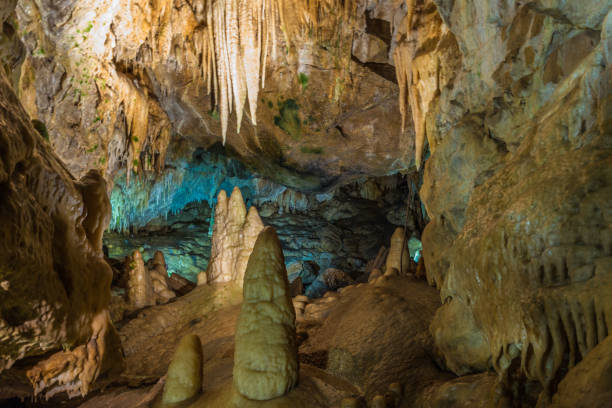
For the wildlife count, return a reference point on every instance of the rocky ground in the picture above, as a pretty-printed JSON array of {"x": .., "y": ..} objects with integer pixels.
[{"x": 353, "y": 343}]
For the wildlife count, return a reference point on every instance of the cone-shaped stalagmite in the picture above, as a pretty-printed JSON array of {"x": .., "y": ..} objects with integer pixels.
[
  {"x": 184, "y": 379},
  {"x": 140, "y": 290},
  {"x": 265, "y": 361},
  {"x": 399, "y": 257}
]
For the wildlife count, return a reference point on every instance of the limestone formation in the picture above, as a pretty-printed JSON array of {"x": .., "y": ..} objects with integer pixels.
[
  {"x": 349, "y": 403},
  {"x": 589, "y": 383},
  {"x": 378, "y": 402},
  {"x": 124, "y": 108},
  {"x": 140, "y": 288},
  {"x": 55, "y": 282},
  {"x": 506, "y": 104},
  {"x": 265, "y": 360},
  {"x": 336, "y": 279},
  {"x": 159, "y": 277},
  {"x": 518, "y": 189},
  {"x": 184, "y": 378},
  {"x": 234, "y": 235},
  {"x": 399, "y": 256},
  {"x": 376, "y": 273}
]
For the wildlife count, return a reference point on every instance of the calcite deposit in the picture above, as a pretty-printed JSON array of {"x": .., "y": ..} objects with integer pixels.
[
  {"x": 139, "y": 285},
  {"x": 265, "y": 362},
  {"x": 435, "y": 177},
  {"x": 234, "y": 235},
  {"x": 55, "y": 281},
  {"x": 184, "y": 378},
  {"x": 398, "y": 257}
]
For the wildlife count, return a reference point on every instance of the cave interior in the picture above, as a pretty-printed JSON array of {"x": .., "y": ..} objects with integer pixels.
[{"x": 306, "y": 203}]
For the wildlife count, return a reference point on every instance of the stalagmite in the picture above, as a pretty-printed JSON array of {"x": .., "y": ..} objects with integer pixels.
[
  {"x": 399, "y": 257},
  {"x": 140, "y": 290},
  {"x": 158, "y": 273},
  {"x": 184, "y": 378},
  {"x": 234, "y": 234},
  {"x": 265, "y": 360}
]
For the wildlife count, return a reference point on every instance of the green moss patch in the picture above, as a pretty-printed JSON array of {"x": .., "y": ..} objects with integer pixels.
[
  {"x": 311, "y": 150},
  {"x": 288, "y": 118}
]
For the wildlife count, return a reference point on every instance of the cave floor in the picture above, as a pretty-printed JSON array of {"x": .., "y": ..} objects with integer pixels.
[{"x": 354, "y": 342}]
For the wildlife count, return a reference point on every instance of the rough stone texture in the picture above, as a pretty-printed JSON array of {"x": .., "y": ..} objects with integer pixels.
[
  {"x": 55, "y": 283},
  {"x": 374, "y": 335},
  {"x": 471, "y": 391},
  {"x": 393, "y": 348},
  {"x": 234, "y": 235},
  {"x": 336, "y": 279},
  {"x": 265, "y": 361},
  {"x": 589, "y": 384},
  {"x": 461, "y": 345},
  {"x": 518, "y": 187},
  {"x": 120, "y": 82}
]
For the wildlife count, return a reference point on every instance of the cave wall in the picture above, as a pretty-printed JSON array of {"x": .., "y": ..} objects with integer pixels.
[
  {"x": 510, "y": 105},
  {"x": 518, "y": 186},
  {"x": 54, "y": 281},
  {"x": 342, "y": 228}
]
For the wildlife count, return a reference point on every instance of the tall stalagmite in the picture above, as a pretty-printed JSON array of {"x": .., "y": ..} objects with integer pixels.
[
  {"x": 234, "y": 235},
  {"x": 265, "y": 360}
]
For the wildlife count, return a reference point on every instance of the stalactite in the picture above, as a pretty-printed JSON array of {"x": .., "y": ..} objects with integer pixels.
[
  {"x": 412, "y": 93},
  {"x": 250, "y": 32},
  {"x": 234, "y": 45}
]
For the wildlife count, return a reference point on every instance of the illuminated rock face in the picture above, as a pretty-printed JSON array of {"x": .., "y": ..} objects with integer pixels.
[
  {"x": 518, "y": 187},
  {"x": 265, "y": 360},
  {"x": 124, "y": 104},
  {"x": 234, "y": 235},
  {"x": 54, "y": 281}
]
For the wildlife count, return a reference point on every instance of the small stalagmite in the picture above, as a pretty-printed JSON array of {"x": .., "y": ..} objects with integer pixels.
[
  {"x": 234, "y": 235},
  {"x": 159, "y": 277},
  {"x": 184, "y": 378},
  {"x": 398, "y": 258},
  {"x": 265, "y": 360},
  {"x": 140, "y": 290}
]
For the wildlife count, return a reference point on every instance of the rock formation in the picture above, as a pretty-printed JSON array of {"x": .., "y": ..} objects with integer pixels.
[
  {"x": 265, "y": 361},
  {"x": 147, "y": 283},
  {"x": 159, "y": 277},
  {"x": 184, "y": 378},
  {"x": 398, "y": 257},
  {"x": 234, "y": 235},
  {"x": 589, "y": 384},
  {"x": 139, "y": 286},
  {"x": 505, "y": 104},
  {"x": 518, "y": 187},
  {"x": 126, "y": 110},
  {"x": 55, "y": 283}
]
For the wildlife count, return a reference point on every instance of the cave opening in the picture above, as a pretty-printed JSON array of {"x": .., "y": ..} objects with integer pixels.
[{"x": 173, "y": 212}]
